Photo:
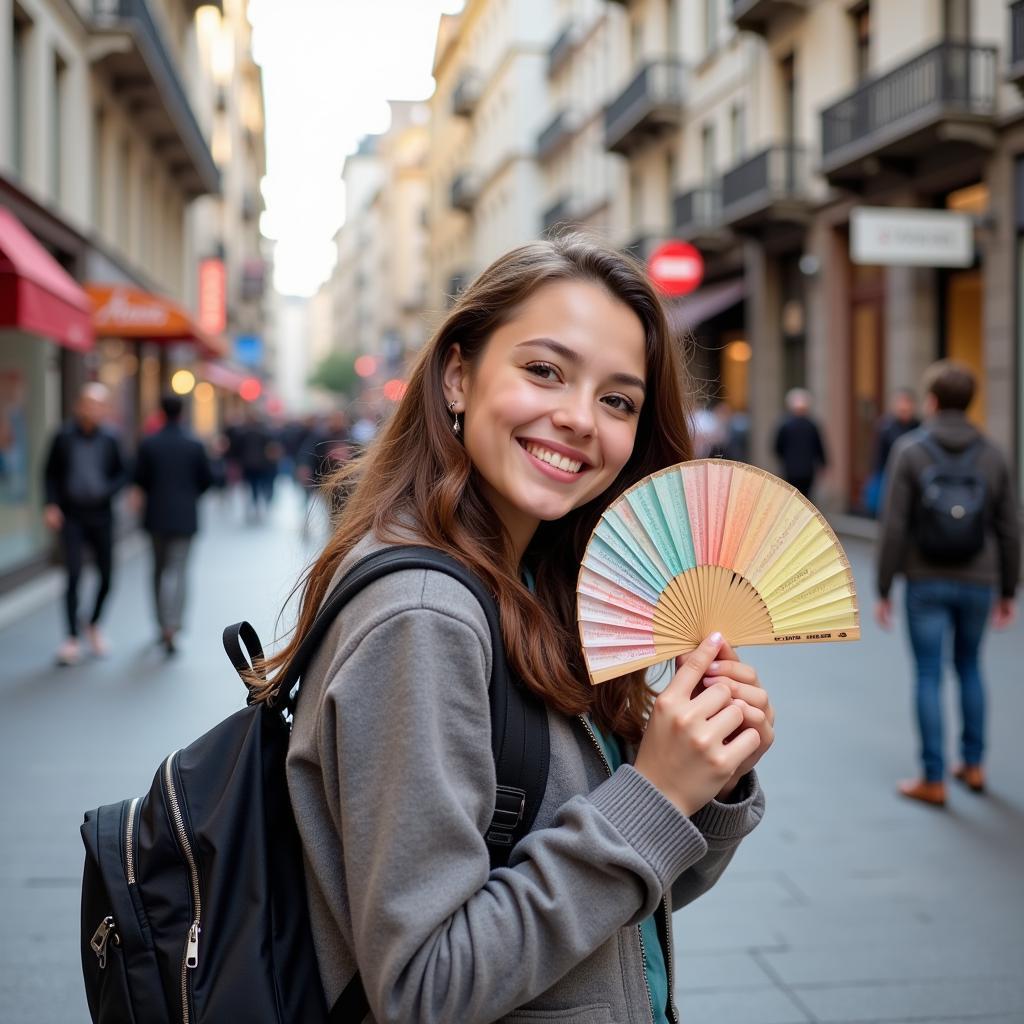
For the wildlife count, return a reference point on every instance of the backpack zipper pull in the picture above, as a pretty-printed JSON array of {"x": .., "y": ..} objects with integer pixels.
[
  {"x": 192, "y": 949},
  {"x": 100, "y": 938}
]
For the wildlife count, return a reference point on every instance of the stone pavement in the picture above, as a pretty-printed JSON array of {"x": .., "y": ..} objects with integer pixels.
[{"x": 846, "y": 904}]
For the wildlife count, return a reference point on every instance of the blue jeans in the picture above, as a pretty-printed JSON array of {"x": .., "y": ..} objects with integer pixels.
[{"x": 933, "y": 606}]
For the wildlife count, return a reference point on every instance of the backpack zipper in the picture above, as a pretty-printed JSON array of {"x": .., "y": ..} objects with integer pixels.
[
  {"x": 190, "y": 960},
  {"x": 639, "y": 933},
  {"x": 98, "y": 943},
  {"x": 129, "y": 842}
]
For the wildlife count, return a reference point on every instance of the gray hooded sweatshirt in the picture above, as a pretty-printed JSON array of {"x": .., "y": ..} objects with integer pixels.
[{"x": 392, "y": 782}]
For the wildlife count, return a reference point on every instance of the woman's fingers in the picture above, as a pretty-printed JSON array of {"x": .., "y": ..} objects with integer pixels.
[{"x": 737, "y": 670}]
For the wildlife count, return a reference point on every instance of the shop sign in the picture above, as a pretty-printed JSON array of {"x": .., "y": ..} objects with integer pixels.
[
  {"x": 212, "y": 296},
  {"x": 677, "y": 268},
  {"x": 249, "y": 349},
  {"x": 884, "y": 236}
]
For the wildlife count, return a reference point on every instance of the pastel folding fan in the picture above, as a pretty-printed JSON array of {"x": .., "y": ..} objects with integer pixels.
[{"x": 709, "y": 545}]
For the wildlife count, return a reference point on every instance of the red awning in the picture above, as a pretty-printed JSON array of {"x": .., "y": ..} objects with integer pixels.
[
  {"x": 221, "y": 376},
  {"x": 36, "y": 293}
]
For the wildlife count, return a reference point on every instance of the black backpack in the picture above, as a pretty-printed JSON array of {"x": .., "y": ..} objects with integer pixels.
[
  {"x": 950, "y": 515},
  {"x": 193, "y": 896}
]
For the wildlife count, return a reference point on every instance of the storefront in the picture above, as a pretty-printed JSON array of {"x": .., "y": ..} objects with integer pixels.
[
  {"x": 144, "y": 339},
  {"x": 42, "y": 310}
]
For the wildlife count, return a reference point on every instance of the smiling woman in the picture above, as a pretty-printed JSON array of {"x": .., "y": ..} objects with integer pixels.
[{"x": 550, "y": 388}]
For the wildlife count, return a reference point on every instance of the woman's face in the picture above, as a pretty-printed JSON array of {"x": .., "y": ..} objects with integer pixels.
[{"x": 552, "y": 406}]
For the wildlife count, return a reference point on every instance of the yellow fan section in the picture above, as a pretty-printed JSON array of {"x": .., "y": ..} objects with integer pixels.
[{"x": 777, "y": 572}]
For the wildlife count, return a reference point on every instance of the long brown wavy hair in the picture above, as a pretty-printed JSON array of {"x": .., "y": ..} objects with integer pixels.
[{"x": 418, "y": 469}]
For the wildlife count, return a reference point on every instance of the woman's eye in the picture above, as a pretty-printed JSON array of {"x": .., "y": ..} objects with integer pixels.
[
  {"x": 625, "y": 405},
  {"x": 542, "y": 370}
]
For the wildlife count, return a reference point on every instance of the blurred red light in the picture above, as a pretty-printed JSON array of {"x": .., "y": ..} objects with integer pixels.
[
  {"x": 394, "y": 390},
  {"x": 250, "y": 389},
  {"x": 366, "y": 366}
]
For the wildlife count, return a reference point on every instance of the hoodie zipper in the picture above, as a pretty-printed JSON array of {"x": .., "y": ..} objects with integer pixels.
[
  {"x": 639, "y": 932},
  {"x": 190, "y": 958}
]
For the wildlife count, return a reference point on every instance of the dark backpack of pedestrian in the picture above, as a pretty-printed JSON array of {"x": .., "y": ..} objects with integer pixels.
[
  {"x": 84, "y": 471},
  {"x": 950, "y": 526},
  {"x": 172, "y": 471}
]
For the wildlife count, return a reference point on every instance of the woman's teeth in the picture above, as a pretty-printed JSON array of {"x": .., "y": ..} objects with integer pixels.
[{"x": 554, "y": 459}]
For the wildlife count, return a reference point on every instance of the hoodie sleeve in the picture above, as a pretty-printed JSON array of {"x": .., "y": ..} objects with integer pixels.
[
  {"x": 404, "y": 738},
  {"x": 1006, "y": 525},
  {"x": 899, "y": 496}
]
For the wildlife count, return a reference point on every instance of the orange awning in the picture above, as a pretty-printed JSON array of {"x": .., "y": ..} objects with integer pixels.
[
  {"x": 122, "y": 312},
  {"x": 36, "y": 293}
]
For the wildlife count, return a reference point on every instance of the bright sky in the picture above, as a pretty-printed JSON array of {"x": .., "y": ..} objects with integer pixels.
[{"x": 329, "y": 66}]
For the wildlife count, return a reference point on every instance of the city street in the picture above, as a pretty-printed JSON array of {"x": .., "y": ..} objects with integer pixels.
[{"x": 847, "y": 905}]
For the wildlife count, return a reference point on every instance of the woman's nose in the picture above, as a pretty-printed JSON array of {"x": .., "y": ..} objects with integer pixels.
[{"x": 575, "y": 413}]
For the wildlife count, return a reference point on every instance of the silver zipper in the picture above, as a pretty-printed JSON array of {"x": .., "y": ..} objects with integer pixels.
[
  {"x": 639, "y": 932},
  {"x": 98, "y": 943},
  {"x": 129, "y": 842},
  {"x": 668, "y": 958},
  {"x": 191, "y": 958}
]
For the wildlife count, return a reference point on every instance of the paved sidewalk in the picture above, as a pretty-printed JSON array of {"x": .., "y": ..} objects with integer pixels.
[{"x": 846, "y": 905}]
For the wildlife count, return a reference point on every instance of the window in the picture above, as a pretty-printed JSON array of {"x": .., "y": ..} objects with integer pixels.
[
  {"x": 861, "y": 16},
  {"x": 787, "y": 68},
  {"x": 707, "y": 153},
  {"x": 710, "y": 25},
  {"x": 636, "y": 198},
  {"x": 21, "y": 31},
  {"x": 124, "y": 195},
  {"x": 99, "y": 170},
  {"x": 956, "y": 20},
  {"x": 738, "y": 132},
  {"x": 670, "y": 183},
  {"x": 57, "y": 127}
]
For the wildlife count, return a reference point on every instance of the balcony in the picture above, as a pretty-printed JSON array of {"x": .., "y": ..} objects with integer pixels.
[
  {"x": 768, "y": 189},
  {"x": 562, "y": 49},
  {"x": 754, "y": 15},
  {"x": 464, "y": 192},
  {"x": 649, "y": 106},
  {"x": 466, "y": 94},
  {"x": 698, "y": 217},
  {"x": 559, "y": 131},
  {"x": 565, "y": 213},
  {"x": 1015, "y": 73},
  {"x": 127, "y": 46},
  {"x": 942, "y": 99}
]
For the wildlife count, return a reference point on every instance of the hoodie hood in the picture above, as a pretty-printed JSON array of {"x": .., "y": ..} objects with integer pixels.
[{"x": 952, "y": 430}]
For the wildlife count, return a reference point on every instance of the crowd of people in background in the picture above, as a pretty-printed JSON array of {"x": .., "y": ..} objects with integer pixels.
[{"x": 87, "y": 469}]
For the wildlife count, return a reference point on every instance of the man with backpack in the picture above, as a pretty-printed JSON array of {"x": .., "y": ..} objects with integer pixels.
[{"x": 950, "y": 525}]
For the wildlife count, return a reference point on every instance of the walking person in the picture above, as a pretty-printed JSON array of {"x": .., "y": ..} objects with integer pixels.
[
  {"x": 899, "y": 420},
  {"x": 798, "y": 443},
  {"x": 172, "y": 471},
  {"x": 950, "y": 525},
  {"x": 552, "y": 386},
  {"x": 84, "y": 470}
]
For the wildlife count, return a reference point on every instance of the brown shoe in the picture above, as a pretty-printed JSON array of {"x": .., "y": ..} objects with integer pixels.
[
  {"x": 933, "y": 793},
  {"x": 972, "y": 776}
]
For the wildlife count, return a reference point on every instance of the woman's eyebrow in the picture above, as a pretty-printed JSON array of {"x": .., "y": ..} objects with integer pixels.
[{"x": 571, "y": 356}]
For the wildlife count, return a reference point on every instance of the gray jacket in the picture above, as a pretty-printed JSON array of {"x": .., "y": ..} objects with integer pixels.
[
  {"x": 392, "y": 781},
  {"x": 998, "y": 563}
]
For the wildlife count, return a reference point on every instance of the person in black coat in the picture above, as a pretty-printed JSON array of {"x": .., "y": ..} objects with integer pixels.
[
  {"x": 798, "y": 443},
  {"x": 84, "y": 470},
  {"x": 173, "y": 471}
]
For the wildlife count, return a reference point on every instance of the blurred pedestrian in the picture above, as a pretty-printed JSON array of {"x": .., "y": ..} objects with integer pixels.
[
  {"x": 798, "y": 443},
  {"x": 84, "y": 470},
  {"x": 253, "y": 449},
  {"x": 731, "y": 439},
  {"x": 172, "y": 471},
  {"x": 899, "y": 420},
  {"x": 949, "y": 524}
]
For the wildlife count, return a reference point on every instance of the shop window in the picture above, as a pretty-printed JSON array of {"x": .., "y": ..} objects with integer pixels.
[{"x": 736, "y": 373}]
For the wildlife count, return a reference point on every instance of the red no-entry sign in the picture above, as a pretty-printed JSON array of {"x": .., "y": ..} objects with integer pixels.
[{"x": 676, "y": 268}]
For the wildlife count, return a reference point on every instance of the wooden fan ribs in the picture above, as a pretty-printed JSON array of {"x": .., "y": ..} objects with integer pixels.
[{"x": 705, "y": 545}]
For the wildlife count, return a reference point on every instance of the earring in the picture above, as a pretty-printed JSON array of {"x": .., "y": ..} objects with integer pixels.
[{"x": 456, "y": 429}]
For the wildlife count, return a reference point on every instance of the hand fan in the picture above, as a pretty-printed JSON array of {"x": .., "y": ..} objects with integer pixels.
[{"x": 707, "y": 545}]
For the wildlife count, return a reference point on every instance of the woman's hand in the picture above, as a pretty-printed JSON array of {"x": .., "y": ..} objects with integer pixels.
[
  {"x": 699, "y": 735},
  {"x": 747, "y": 692}
]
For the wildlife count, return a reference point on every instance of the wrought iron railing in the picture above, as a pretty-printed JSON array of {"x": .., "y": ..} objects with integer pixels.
[
  {"x": 658, "y": 84},
  {"x": 949, "y": 74},
  {"x": 135, "y": 16},
  {"x": 466, "y": 94},
  {"x": 775, "y": 172},
  {"x": 699, "y": 208},
  {"x": 556, "y": 134},
  {"x": 561, "y": 48},
  {"x": 463, "y": 191}
]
